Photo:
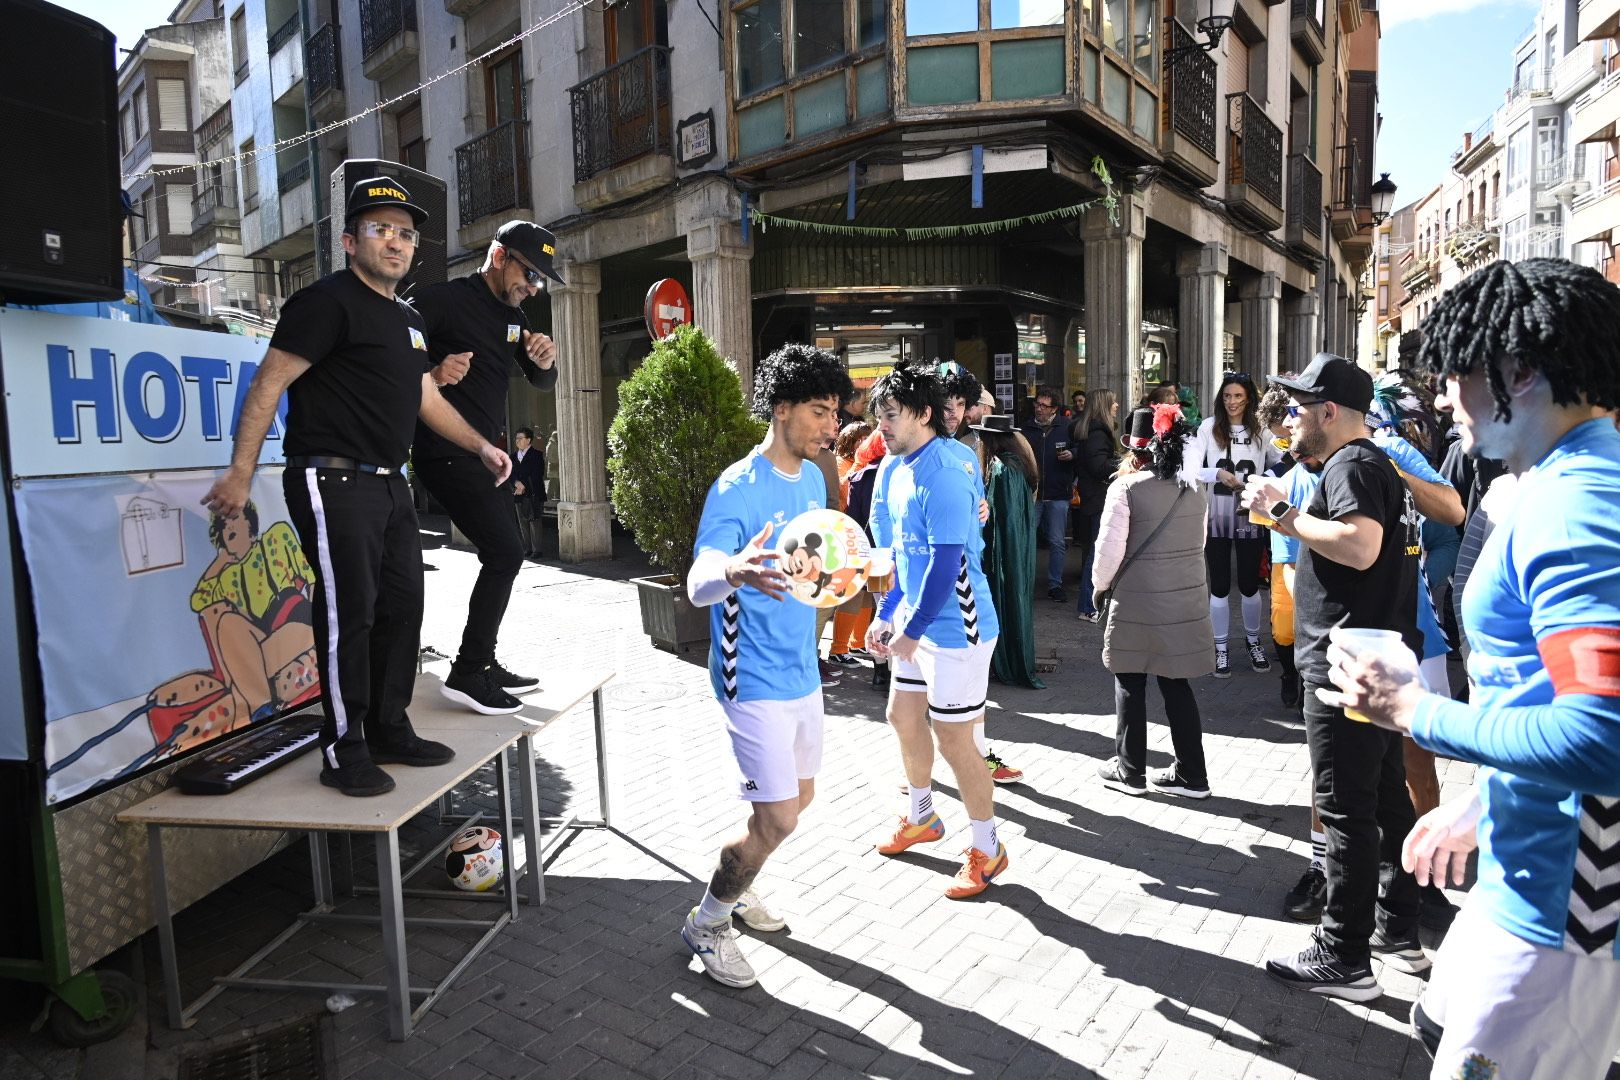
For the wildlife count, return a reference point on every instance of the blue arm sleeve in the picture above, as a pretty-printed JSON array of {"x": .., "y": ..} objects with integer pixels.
[
  {"x": 944, "y": 563},
  {"x": 890, "y": 602},
  {"x": 1572, "y": 744}
]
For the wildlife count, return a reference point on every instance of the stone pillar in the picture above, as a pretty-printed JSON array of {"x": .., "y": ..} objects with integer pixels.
[
  {"x": 1201, "y": 319},
  {"x": 1299, "y": 331},
  {"x": 1113, "y": 287},
  {"x": 583, "y": 517},
  {"x": 1261, "y": 297},
  {"x": 723, "y": 292},
  {"x": 1330, "y": 313}
]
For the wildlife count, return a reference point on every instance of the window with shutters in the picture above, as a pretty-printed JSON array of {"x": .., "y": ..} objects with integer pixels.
[
  {"x": 412, "y": 143},
  {"x": 126, "y": 128},
  {"x": 239, "y": 46},
  {"x": 179, "y": 199},
  {"x": 250, "y": 179},
  {"x": 172, "y": 105},
  {"x": 138, "y": 106}
]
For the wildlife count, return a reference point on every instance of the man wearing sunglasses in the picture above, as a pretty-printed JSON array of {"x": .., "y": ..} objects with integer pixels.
[
  {"x": 476, "y": 332},
  {"x": 353, "y": 361}
]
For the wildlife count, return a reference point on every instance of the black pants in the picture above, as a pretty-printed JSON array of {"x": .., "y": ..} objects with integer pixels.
[
  {"x": 1180, "y": 707},
  {"x": 1218, "y": 561},
  {"x": 1366, "y": 812},
  {"x": 359, "y": 534},
  {"x": 484, "y": 513}
]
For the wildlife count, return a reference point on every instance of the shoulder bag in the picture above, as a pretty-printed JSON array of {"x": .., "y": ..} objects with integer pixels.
[{"x": 1106, "y": 607}]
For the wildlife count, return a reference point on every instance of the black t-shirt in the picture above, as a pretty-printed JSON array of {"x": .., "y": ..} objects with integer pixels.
[
  {"x": 1359, "y": 479},
  {"x": 367, "y": 355},
  {"x": 463, "y": 315}
]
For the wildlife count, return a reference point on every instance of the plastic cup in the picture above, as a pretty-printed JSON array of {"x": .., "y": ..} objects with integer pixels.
[
  {"x": 880, "y": 571},
  {"x": 1386, "y": 643},
  {"x": 1258, "y": 518}
]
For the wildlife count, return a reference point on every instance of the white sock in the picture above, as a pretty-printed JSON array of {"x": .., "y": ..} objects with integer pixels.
[
  {"x": 979, "y": 741},
  {"x": 1220, "y": 619},
  {"x": 922, "y": 805},
  {"x": 1251, "y": 617},
  {"x": 1318, "y": 850},
  {"x": 984, "y": 836},
  {"x": 713, "y": 912}
]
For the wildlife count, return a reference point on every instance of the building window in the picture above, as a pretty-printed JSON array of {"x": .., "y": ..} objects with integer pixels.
[
  {"x": 872, "y": 22},
  {"x": 250, "y": 179},
  {"x": 412, "y": 142},
  {"x": 239, "y": 46},
  {"x": 138, "y": 104},
  {"x": 1518, "y": 159},
  {"x": 172, "y": 105},
  {"x": 818, "y": 33},
  {"x": 927, "y": 17},
  {"x": 1007, "y": 14},
  {"x": 759, "y": 47},
  {"x": 126, "y": 128}
]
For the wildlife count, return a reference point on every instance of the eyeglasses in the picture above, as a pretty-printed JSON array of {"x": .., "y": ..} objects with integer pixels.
[
  {"x": 1045, "y": 405},
  {"x": 387, "y": 230},
  {"x": 1295, "y": 410},
  {"x": 530, "y": 275}
]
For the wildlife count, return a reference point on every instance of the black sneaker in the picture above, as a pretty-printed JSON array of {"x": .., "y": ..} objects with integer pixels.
[
  {"x": 360, "y": 779},
  {"x": 1223, "y": 664},
  {"x": 1257, "y": 657},
  {"x": 843, "y": 660},
  {"x": 1315, "y": 970},
  {"x": 880, "y": 675},
  {"x": 1401, "y": 953},
  {"x": 1057, "y": 594},
  {"x": 479, "y": 691},
  {"x": 1436, "y": 912},
  {"x": 1171, "y": 782},
  {"x": 511, "y": 680},
  {"x": 1114, "y": 777},
  {"x": 411, "y": 750},
  {"x": 1290, "y": 690},
  {"x": 1306, "y": 899},
  {"x": 829, "y": 673}
]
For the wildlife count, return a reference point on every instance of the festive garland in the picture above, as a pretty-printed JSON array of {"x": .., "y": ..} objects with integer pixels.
[{"x": 1099, "y": 168}]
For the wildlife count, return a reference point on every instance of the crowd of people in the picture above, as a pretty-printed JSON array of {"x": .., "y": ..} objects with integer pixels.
[{"x": 1361, "y": 508}]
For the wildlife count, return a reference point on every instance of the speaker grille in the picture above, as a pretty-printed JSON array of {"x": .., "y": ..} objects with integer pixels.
[{"x": 427, "y": 191}]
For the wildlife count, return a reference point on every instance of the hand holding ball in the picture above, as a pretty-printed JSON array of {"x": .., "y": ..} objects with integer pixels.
[{"x": 825, "y": 555}]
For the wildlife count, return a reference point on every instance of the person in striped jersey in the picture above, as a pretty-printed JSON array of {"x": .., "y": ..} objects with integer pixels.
[{"x": 763, "y": 652}]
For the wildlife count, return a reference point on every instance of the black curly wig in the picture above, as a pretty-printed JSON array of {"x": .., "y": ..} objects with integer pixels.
[
  {"x": 914, "y": 386},
  {"x": 797, "y": 373},
  {"x": 960, "y": 383},
  {"x": 1549, "y": 315}
]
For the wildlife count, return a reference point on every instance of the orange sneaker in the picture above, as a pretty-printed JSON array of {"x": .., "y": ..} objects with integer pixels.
[
  {"x": 906, "y": 834},
  {"x": 977, "y": 872},
  {"x": 1000, "y": 771}
]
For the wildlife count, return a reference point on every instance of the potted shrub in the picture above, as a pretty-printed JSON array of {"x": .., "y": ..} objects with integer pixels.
[{"x": 681, "y": 421}]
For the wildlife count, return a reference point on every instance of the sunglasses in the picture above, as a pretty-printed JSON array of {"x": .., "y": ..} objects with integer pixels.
[
  {"x": 530, "y": 275},
  {"x": 387, "y": 230},
  {"x": 1295, "y": 410}
]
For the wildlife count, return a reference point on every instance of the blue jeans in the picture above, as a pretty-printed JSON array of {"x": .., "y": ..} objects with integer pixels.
[
  {"x": 1085, "y": 535},
  {"x": 1055, "y": 524}
]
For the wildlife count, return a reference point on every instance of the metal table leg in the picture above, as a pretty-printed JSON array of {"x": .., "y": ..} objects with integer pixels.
[
  {"x": 393, "y": 932},
  {"x": 508, "y": 865},
  {"x": 533, "y": 835},
  {"x": 601, "y": 755},
  {"x": 165, "y": 926},
  {"x": 320, "y": 870}
]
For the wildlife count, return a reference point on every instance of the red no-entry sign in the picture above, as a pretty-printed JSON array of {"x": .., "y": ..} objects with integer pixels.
[{"x": 667, "y": 307}]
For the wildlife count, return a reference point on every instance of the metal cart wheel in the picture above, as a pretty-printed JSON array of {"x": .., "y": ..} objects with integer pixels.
[{"x": 120, "y": 997}]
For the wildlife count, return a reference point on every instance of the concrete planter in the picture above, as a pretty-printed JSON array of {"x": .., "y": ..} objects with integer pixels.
[{"x": 668, "y": 617}]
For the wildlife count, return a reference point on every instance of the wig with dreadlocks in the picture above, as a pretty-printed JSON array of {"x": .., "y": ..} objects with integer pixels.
[{"x": 1549, "y": 315}]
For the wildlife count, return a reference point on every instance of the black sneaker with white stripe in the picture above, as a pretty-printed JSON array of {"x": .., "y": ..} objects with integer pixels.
[
  {"x": 1317, "y": 971},
  {"x": 1401, "y": 953},
  {"x": 512, "y": 681},
  {"x": 477, "y": 689}
]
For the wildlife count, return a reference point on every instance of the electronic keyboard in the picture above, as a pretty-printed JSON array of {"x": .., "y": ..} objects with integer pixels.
[{"x": 244, "y": 760}]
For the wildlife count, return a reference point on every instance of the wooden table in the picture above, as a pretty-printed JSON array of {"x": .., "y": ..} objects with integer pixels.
[{"x": 292, "y": 798}]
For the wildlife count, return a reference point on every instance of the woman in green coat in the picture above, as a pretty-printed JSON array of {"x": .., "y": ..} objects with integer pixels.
[{"x": 1009, "y": 546}]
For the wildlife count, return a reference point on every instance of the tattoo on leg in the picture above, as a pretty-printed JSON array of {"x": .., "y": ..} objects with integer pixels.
[{"x": 733, "y": 876}]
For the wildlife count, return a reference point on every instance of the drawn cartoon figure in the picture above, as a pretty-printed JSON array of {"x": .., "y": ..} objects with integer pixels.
[{"x": 803, "y": 561}]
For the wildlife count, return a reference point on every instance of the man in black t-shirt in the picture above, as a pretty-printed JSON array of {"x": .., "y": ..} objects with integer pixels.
[
  {"x": 353, "y": 361},
  {"x": 481, "y": 314},
  {"x": 1358, "y": 567}
]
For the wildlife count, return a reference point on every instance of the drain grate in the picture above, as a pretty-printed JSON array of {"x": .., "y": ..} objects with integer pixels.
[{"x": 295, "y": 1051}]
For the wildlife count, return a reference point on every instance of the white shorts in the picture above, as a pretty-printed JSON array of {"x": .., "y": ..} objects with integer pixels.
[
  {"x": 776, "y": 744},
  {"x": 1517, "y": 1011},
  {"x": 957, "y": 681}
]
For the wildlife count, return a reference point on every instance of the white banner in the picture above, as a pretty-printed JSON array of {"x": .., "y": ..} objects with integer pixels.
[
  {"x": 101, "y": 396},
  {"x": 161, "y": 626}
]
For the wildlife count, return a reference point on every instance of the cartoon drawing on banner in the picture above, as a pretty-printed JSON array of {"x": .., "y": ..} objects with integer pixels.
[
  {"x": 222, "y": 607},
  {"x": 151, "y": 534}
]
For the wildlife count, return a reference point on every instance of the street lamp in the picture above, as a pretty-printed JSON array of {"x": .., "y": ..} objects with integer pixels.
[
  {"x": 1212, "y": 26},
  {"x": 1383, "y": 198}
]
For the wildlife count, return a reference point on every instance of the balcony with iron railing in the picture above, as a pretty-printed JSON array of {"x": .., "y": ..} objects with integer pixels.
[
  {"x": 1304, "y": 203},
  {"x": 1309, "y": 36},
  {"x": 621, "y": 121},
  {"x": 1475, "y": 241},
  {"x": 1188, "y": 103},
  {"x": 214, "y": 204},
  {"x": 323, "y": 73},
  {"x": 1595, "y": 114},
  {"x": 1596, "y": 214},
  {"x": 1526, "y": 90},
  {"x": 284, "y": 33},
  {"x": 387, "y": 37},
  {"x": 492, "y": 172},
  {"x": 1254, "y": 162}
]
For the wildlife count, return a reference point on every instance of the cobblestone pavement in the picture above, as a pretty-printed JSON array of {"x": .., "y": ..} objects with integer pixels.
[{"x": 1123, "y": 942}]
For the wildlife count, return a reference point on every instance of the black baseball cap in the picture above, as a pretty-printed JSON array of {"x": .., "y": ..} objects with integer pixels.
[
  {"x": 1333, "y": 378},
  {"x": 537, "y": 246},
  {"x": 382, "y": 191}
]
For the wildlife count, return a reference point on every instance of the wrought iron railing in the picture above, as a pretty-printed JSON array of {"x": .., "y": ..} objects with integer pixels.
[
  {"x": 1349, "y": 178},
  {"x": 383, "y": 20},
  {"x": 1254, "y": 147},
  {"x": 284, "y": 33},
  {"x": 1189, "y": 88},
  {"x": 211, "y": 197},
  {"x": 293, "y": 175},
  {"x": 323, "y": 61},
  {"x": 621, "y": 113},
  {"x": 492, "y": 172},
  {"x": 1304, "y": 195}
]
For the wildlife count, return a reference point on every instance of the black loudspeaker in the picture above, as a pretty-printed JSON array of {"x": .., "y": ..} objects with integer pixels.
[
  {"x": 61, "y": 209},
  {"x": 427, "y": 191}
]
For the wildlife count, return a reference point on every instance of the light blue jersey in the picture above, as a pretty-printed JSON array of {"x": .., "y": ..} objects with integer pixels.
[
  {"x": 760, "y": 649},
  {"x": 927, "y": 498},
  {"x": 1542, "y": 614}
]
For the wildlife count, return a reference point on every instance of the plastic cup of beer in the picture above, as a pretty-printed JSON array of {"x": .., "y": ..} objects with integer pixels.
[
  {"x": 1259, "y": 517},
  {"x": 1386, "y": 643},
  {"x": 880, "y": 571}
]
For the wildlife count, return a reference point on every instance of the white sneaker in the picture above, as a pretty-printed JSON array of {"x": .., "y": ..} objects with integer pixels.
[
  {"x": 717, "y": 947},
  {"x": 752, "y": 910}
]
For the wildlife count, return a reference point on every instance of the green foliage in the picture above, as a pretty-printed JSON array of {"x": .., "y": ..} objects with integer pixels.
[{"x": 681, "y": 421}]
